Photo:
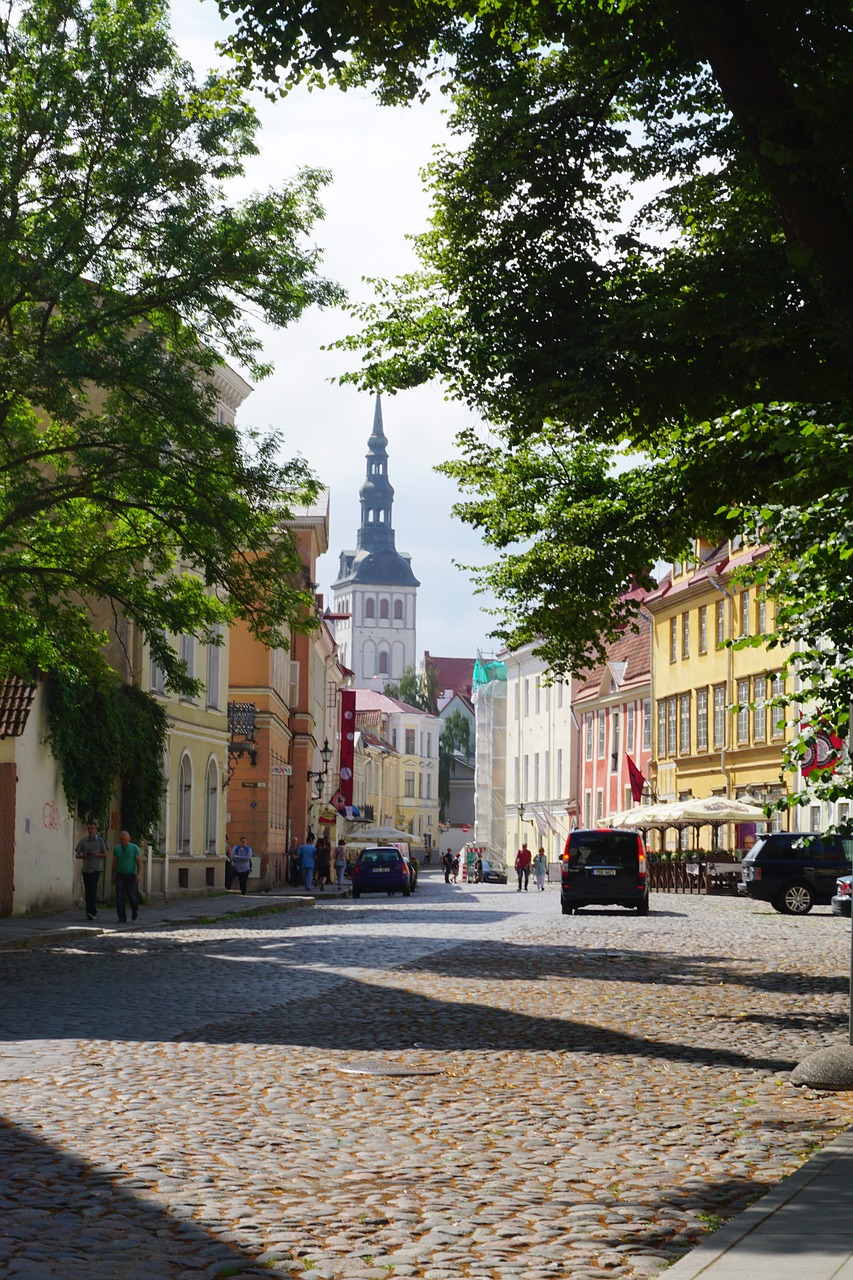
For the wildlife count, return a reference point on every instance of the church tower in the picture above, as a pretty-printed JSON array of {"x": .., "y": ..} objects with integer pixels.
[{"x": 375, "y": 583}]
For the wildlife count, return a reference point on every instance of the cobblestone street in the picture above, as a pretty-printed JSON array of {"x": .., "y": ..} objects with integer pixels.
[{"x": 175, "y": 1103}]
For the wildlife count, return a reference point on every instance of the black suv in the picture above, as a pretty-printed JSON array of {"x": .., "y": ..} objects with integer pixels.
[
  {"x": 603, "y": 867},
  {"x": 792, "y": 870}
]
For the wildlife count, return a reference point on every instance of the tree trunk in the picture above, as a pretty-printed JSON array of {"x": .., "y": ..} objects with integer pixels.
[{"x": 787, "y": 154}]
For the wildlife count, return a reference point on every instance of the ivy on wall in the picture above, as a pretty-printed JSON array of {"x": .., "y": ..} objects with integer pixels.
[{"x": 108, "y": 736}]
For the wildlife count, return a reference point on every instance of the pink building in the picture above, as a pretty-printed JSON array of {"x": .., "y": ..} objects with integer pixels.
[{"x": 613, "y": 708}]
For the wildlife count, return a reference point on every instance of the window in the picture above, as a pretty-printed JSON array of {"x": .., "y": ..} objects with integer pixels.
[
  {"x": 429, "y": 746},
  {"x": 721, "y": 623},
  {"x": 384, "y": 609},
  {"x": 602, "y": 734},
  {"x": 759, "y": 714},
  {"x": 761, "y": 615},
  {"x": 214, "y": 670},
  {"x": 673, "y": 639},
  {"x": 517, "y": 699},
  {"x": 188, "y": 658},
  {"x": 684, "y": 724},
  {"x": 409, "y": 785},
  {"x": 629, "y": 727},
  {"x": 777, "y": 721},
  {"x": 536, "y": 697},
  {"x": 420, "y": 786},
  {"x": 662, "y": 727},
  {"x": 587, "y": 810},
  {"x": 185, "y": 804},
  {"x": 410, "y": 742},
  {"x": 703, "y": 628},
  {"x": 647, "y": 724},
  {"x": 701, "y": 719},
  {"x": 671, "y": 726},
  {"x": 719, "y": 715},
  {"x": 559, "y": 693},
  {"x": 559, "y": 778},
  {"x": 526, "y": 777},
  {"x": 546, "y": 776},
  {"x": 382, "y": 662},
  {"x": 527, "y": 697},
  {"x": 370, "y": 607},
  {"x": 429, "y": 786},
  {"x": 211, "y": 808},
  {"x": 599, "y": 806},
  {"x": 588, "y": 725},
  {"x": 744, "y": 613},
  {"x": 614, "y": 741},
  {"x": 398, "y": 610},
  {"x": 157, "y": 676},
  {"x": 536, "y": 775},
  {"x": 743, "y": 711},
  {"x": 685, "y": 635}
]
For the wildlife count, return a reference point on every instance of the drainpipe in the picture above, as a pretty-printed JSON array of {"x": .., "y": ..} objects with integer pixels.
[{"x": 729, "y": 681}]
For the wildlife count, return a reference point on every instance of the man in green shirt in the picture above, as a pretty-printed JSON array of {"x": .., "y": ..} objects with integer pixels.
[{"x": 127, "y": 867}]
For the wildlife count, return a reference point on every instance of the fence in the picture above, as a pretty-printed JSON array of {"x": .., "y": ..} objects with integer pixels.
[{"x": 694, "y": 877}]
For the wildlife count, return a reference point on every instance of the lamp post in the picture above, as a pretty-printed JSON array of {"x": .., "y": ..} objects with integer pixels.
[{"x": 318, "y": 776}]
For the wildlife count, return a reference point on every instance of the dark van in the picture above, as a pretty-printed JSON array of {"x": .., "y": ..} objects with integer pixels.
[
  {"x": 792, "y": 870},
  {"x": 602, "y": 868}
]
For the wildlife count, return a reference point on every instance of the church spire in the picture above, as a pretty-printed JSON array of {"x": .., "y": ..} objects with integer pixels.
[{"x": 377, "y": 494}]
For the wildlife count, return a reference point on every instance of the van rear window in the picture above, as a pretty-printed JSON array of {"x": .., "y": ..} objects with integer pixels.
[{"x": 604, "y": 849}]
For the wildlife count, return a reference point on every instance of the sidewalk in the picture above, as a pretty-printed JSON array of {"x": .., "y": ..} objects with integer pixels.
[{"x": 17, "y": 932}]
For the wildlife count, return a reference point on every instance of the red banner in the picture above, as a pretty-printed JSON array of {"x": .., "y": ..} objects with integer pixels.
[
  {"x": 347, "y": 744},
  {"x": 636, "y": 778}
]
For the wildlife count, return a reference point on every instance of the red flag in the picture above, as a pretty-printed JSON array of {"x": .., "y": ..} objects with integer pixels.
[
  {"x": 637, "y": 780},
  {"x": 347, "y": 743}
]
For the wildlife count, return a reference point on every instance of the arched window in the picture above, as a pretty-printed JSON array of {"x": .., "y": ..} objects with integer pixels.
[
  {"x": 370, "y": 607},
  {"x": 398, "y": 610},
  {"x": 185, "y": 805},
  {"x": 382, "y": 663},
  {"x": 383, "y": 608},
  {"x": 211, "y": 807}
]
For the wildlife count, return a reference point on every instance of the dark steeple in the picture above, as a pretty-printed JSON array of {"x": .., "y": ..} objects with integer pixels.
[{"x": 376, "y": 559}]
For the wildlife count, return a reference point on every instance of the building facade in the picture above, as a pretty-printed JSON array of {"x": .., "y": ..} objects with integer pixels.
[{"x": 411, "y": 802}]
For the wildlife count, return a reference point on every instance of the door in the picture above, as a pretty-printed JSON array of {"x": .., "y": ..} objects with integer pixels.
[{"x": 8, "y": 786}]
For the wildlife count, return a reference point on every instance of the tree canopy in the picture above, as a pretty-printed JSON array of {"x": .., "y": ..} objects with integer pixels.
[
  {"x": 128, "y": 275},
  {"x": 639, "y": 271}
]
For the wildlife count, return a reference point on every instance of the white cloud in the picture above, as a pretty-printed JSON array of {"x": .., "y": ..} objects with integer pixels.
[{"x": 376, "y": 199}]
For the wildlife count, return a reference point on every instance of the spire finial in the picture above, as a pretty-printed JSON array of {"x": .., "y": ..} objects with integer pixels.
[{"x": 378, "y": 428}]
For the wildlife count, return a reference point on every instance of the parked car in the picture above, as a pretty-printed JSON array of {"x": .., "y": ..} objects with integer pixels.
[
  {"x": 493, "y": 872},
  {"x": 793, "y": 870},
  {"x": 841, "y": 902},
  {"x": 382, "y": 869},
  {"x": 602, "y": 868}
]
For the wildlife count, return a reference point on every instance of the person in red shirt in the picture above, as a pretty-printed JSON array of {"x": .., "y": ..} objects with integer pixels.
[{"x": 522, "y": 865}]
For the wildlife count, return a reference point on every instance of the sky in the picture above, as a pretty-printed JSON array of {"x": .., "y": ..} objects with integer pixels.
[{"x": 376, "y": 199}]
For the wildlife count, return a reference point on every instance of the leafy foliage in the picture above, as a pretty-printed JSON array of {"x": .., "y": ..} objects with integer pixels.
[
  {"x": 126, "y": 276},
  {"x": 417, "y": 687},
  {"x": 103, "y": 733},
  {"x": 455, "y": 737}
]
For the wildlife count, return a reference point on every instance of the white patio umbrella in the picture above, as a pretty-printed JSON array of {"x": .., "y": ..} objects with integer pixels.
[{"x": 720, "y": 809}]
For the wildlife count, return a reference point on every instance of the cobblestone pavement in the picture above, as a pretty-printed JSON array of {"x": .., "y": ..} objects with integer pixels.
[{"x": 175, "y": 1106}]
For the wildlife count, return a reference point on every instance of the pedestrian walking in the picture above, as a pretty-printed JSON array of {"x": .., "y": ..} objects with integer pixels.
[
  {"x": 241, "y": 863},
  {"x": 523, "y": 860},
  {"x": 341, "y": 862},
  {"x": 92, "y": 851},
  {"x": 293, "y": 863},
  {"x": 127, "y": 868},
  {"x": 447, "y": 863},
  {"x": 323, "y": 862},
  {"x": 478, "y": 869},
  {"x": 540, "y": 869},
  {"x": 455, "y": 868},
  {"x": 307, "y": 857}
]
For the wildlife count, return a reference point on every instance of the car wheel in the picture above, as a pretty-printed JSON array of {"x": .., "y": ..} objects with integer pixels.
[
  {"x": 407, "y": 891},
  {"x": 797, "y": 899},
  {"x": 643, "y": 907},
  {"x": 356, "y": 893}
]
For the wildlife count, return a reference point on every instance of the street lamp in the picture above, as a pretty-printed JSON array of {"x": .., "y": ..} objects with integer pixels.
[{"x": 319, "y": 775}]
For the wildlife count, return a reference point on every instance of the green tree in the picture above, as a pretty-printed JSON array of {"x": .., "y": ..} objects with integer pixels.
[
  {"x": 455, "y": 739},
  {"x": 127, "y": 272},
  {"x": 639, "y": 271},
  {"x": 417, "y": 687}
]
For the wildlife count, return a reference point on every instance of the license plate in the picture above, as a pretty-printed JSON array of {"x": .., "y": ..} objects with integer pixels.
[
  {"x": 604, "y": 871},
  {"x": 381, "y": 871}
]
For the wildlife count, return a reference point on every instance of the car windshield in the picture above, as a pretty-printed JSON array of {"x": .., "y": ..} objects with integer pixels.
[
  {"x": 603, "y": 849},
  {"x": 380, "y": 858}
]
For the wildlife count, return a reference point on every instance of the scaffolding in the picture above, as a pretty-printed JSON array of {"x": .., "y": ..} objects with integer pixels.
[{"x": 489, "y": 697}]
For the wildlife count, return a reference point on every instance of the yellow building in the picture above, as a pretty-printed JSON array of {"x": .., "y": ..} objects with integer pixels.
[{"x": 703, "y": 746}]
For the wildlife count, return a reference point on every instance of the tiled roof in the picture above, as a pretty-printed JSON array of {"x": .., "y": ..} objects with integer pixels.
[
  {"x": 16, "y": 699},
  {"x": 631, "y": 649},
  {"x": 372, "y": 700},
  {"x": 453, "y": 673}
]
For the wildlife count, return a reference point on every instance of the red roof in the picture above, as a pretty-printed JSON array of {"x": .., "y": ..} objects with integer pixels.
[
  {"x": 373, "y": 700},
  {"x": 633, "y": 649},
  {"x": 456, "y": 674},
  {"x": 16, "y": 699}
]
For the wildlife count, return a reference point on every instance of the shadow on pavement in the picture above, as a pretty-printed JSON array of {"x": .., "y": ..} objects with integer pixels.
[{"x": 65, "y": 1218}]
